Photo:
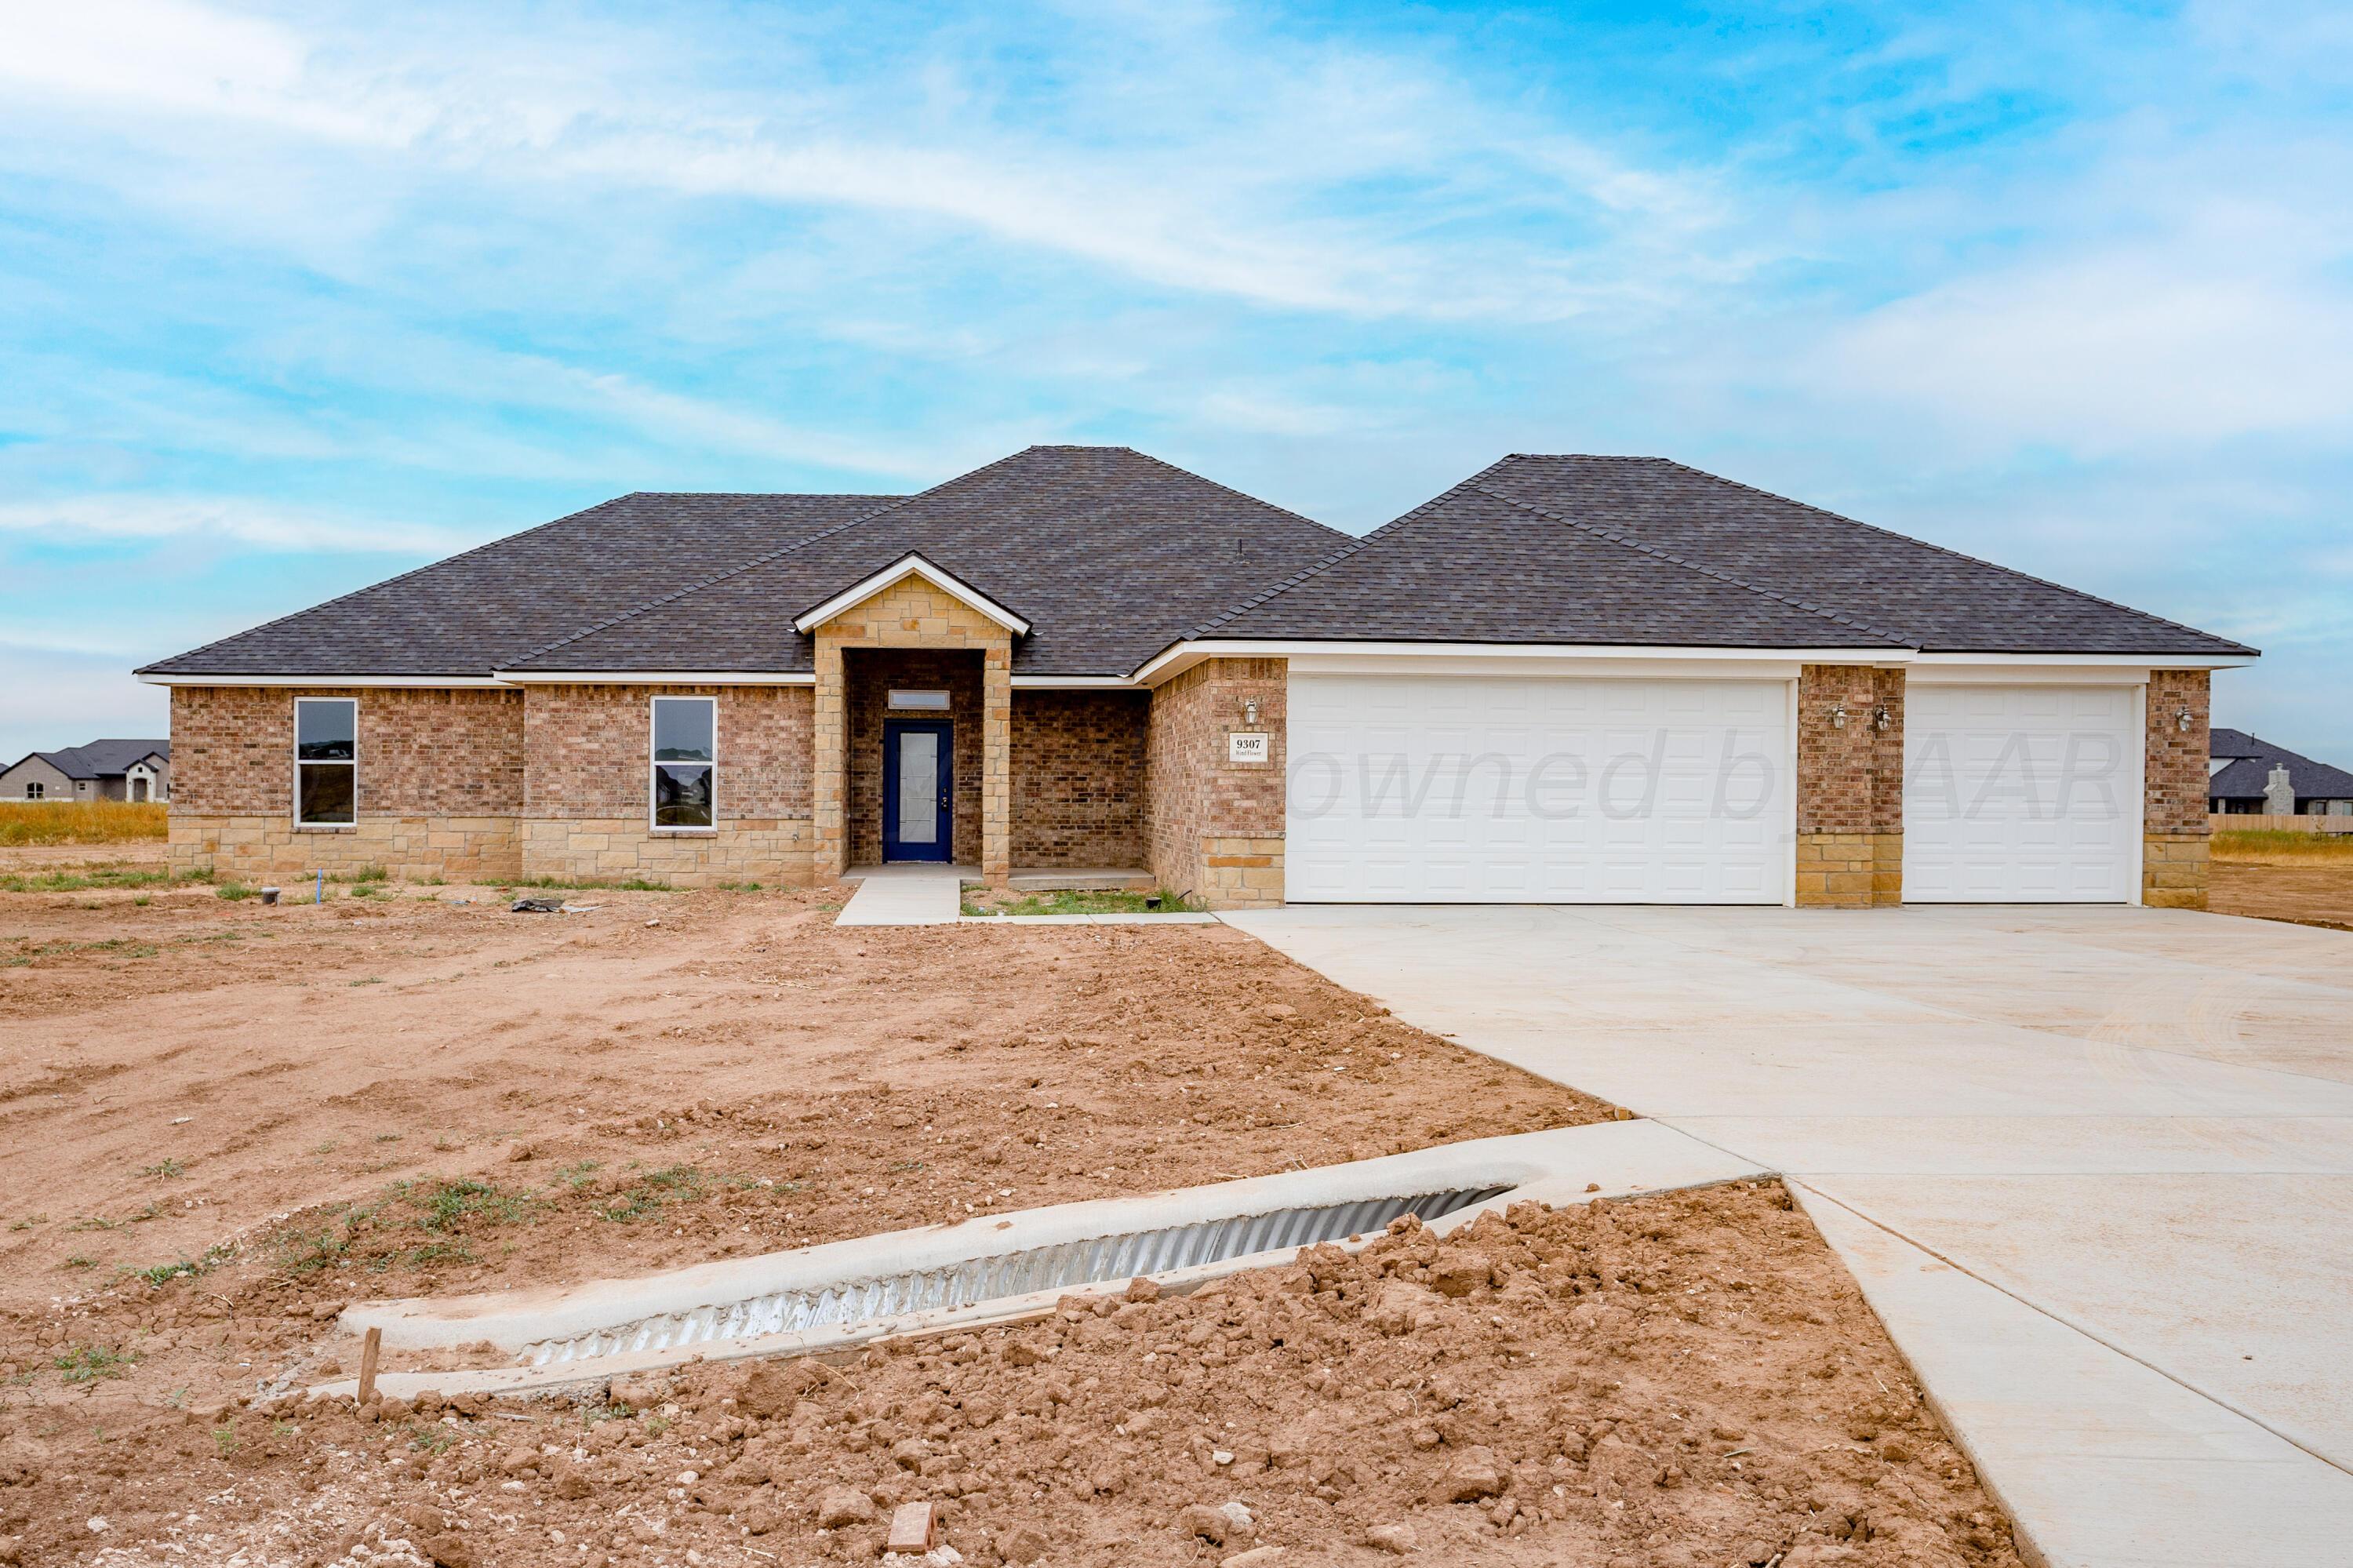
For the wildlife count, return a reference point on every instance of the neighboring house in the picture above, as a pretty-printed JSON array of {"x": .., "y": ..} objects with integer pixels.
[
  {"x": 2249, "y": 776},
  {"x": 102, "y": 770},
  {"x": 1567, "y": 679}
]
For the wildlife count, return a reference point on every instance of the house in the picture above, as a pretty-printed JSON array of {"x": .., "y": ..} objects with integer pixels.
[
  {"x": 1566, "y": 679},
  {"x": 102, "y": 770},
  {"x": 2248, "y": 776}
]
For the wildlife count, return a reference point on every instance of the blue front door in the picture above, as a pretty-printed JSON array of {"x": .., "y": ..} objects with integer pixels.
[{"x": 917, "y": 777}]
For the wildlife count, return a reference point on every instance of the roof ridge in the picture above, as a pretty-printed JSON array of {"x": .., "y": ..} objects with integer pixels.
[
  {"x": 1317, "y": 568},
  {"x": 1619, "y": 537},
  {"x": 516, "y": 661},
  {"x": 396, "y": 577},
  {"x": 1218, "y": 484},
  {"x": 1955, "y": 555}
]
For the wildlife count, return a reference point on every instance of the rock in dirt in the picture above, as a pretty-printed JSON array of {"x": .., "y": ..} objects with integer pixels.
[
  {"x": 837, "y": 1508},
  {"x": 1458, "y": 1271},
  {"x": 1141, "y": 1289},
  {"x": 1026, "y": 1544},
  {"x": 1217, "y": 1525},
  {"x": 1256, "y": 1557},
  {"x": 1394, "y": 1539},
  {"x": 1471, "y": 1475}
]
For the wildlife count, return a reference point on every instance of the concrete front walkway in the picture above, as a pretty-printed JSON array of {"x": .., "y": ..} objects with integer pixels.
[
  {"x": 2093, "y": 1166},
  {"x": 908, "y": 895}
]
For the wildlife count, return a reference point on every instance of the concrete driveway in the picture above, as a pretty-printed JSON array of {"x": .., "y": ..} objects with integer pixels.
[{"x": 2093, "y": 1166}]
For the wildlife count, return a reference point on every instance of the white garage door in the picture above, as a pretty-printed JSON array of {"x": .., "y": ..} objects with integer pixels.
[
  {"x": 1527, "y": 790},
  {"x": 2020, "y": 794}
]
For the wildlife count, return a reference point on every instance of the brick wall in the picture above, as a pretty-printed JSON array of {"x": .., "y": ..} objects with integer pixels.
[
  {"x": 454, "y": 752},
  {"x": 588, "y": 779},
  {"x": 1079, "y": 778},
  {"x": 1214, "y": 827},
  {"x": 441, "y": 782},
  {"x": 868, "y": 675},
  {"x": 587, "y": 751},
  {"x": 2173, "y": 849},
  {"x": 1850, "y": 805}
]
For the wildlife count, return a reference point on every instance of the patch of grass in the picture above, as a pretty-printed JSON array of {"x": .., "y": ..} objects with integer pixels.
[
  {"x": 28, "y": 1222},
  {"x": 576, "y": 1176},
  {"x": 739, "y": 886},
  {"x": 88, "y": 1364},
  {"x": 447, "y": 1204},
  {"x": 652, "y": 1190},
  {"x": 82, "y": 821},
  {"x": 84, "y": 878},
  {"x": 368, "y": 873},
  {"x": 560, "y": 884},
  {"x": 1075, "y": 900},
  {"x": 162, "y": 1274},
  {"x": 233, "y": 891},
  {"x": 164, "y": 1168},
  {"x": 2280, "y": 846},
  {"x": 79, "y": 1261}
]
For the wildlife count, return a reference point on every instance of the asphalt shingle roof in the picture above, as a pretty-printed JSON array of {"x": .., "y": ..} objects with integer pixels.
[
  {"x": 2251, "y": 765},
  {"x": 1848, "y": 574},
  {"x": 1108, "y": 553},
  {"x": 463, "y": 615},
  {"x": 1112, "y": 555},
  {"x": 101, "y": 758}
]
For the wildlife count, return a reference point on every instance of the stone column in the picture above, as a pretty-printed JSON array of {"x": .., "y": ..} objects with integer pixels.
[
  {"x": 829, "y": 764},
  {"x": 997, "y": 762}
]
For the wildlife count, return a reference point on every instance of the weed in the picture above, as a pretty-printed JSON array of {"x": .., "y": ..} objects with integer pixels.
[
  {"x": 163, "y": 1273},
  {"x": 1071, "y": 901},
  {"x": 2279, "y": 846},
  {"x": 367, "y": 873},
  {"x": 372, "y": 979},
  {"x": 233, "y": 891},
  {"x": 430, "y": 1439},
  {"x": 387, "y": 1138},
  {"x": 739, "y": 888},
  {"x": 88, "y": 1364},
  {"x": 433, "y": 881},
  {"x": 576, "y": 1176},
  {"x": 225, "y": 1441},
  {"x": 445, "y": 1203},
  {"x": 165, "y": 1168},
  {"x": 557, "y": 883},
  {"x": 28, "y": 1222},
  {"x": 651, "y": 1191},
  {"x": 95, "y": 1223},
  {"x": 79, "y": 1261},
  {"x": 83, "y": 879},
  {"x": 142, "y": 901},
  {"x": 82, "y": 821}
]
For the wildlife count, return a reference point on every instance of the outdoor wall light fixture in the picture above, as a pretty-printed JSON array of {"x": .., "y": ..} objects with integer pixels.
[
  {"x": 2182, "y": 720},
  {"x": 1838, "y": 717},
  {"x": 1881, "y": 719},
  {"x": 1250, "y": 713}
]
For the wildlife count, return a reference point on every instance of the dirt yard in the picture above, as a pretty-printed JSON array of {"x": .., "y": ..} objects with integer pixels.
[
  {"x": 218, "y": 1122},
  {"x": 2313, "y": 894}
]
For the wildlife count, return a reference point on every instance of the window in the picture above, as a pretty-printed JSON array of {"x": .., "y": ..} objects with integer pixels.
[
  {"x": 326, "y": 761},
  {"x": 936, "y": 702},
  {"x": 36, "y": 790},
  {"x": 685, "y": 763}
]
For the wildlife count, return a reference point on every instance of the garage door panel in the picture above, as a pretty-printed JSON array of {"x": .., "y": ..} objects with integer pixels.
[
  {"x": 1536, "y": 791},
  {"x": 2020, "y": 794}
]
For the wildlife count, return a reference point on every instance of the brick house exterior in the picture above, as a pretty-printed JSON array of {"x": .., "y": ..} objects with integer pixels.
[{"x": 1119, "y": 655}]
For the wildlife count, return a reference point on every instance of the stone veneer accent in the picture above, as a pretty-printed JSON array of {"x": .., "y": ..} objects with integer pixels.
[
  {"x": 1216, "y": 827},
  {"x": 1850, "y": 851},
  {"x": 910, "y": 613},
  {"x": 2173, "y": 856},
  {"x": 440, "y": 783},
  {"x": 1078, "y": 781},
  {"x": 586, "y": 750}
]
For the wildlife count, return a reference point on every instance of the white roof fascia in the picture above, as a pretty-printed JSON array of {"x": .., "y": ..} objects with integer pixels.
[{"x": 911, "y": 565}]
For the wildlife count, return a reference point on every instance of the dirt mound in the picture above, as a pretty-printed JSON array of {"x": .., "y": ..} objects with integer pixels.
[{"x": 1687, "y": 1380}]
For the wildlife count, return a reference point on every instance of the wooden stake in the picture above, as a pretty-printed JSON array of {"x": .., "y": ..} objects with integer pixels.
[{"x": 370, "y": 1349}]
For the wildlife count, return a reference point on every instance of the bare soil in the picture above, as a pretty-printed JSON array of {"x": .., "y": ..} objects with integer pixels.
[
  {"x": 270, "y": 1112},
  {"x": 2313, "y": 894}
]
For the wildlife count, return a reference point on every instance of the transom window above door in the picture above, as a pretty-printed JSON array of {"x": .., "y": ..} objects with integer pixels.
[
  {"x": 928, "y": 701},
  {"x": 685, "y": 764}
]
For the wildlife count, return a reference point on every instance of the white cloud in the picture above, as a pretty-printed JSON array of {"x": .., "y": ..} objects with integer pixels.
[{"x": 271, "y": 524}]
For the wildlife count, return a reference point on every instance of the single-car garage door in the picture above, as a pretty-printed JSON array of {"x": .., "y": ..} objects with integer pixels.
[
  {"x": 1413, "y": 788},
  {"x": 2020, "y": 794}
]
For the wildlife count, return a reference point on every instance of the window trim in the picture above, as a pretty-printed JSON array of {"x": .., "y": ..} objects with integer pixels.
[
  {"x": 36, "y": 790},
  {"x": 653, "y": 763},
  {"x": 301, "y": 825}
]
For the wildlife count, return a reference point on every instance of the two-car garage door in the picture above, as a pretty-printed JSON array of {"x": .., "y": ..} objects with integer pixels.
[
  {"x": 1421, "y": 789},
  {"x": 1430, "y": 790}
]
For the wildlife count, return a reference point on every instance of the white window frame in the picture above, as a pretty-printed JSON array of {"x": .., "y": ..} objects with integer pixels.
[
  {"x": 653, "y": 764},
  {"x": 36, "y": 790},
  {"x": 308, "y": 827}
]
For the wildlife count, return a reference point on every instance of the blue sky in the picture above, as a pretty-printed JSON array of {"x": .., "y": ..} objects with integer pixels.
[{"x": 293, "y": 299}]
